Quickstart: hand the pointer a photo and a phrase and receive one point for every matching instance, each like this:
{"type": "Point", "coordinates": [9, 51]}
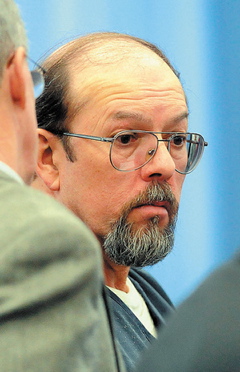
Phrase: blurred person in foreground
{"type": "Point", "coordinates": [52, 313]}
{"type": "Point", "coordinates": [114, 147]}
{"type": "Point", "coordinates": [204, 334]}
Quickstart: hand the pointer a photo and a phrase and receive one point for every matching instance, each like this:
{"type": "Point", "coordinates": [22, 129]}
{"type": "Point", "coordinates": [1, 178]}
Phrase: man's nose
{"type": "Point", "coordinates": [161, 166]}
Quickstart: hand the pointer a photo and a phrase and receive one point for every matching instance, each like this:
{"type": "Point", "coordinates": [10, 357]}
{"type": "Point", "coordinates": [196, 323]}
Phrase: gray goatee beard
{"type": "Point", "coordinates": [148, 245]}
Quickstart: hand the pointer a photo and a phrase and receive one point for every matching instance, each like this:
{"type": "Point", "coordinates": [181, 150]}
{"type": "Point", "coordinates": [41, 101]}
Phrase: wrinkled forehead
{"type": "Point", "coordinates": [111, 70]}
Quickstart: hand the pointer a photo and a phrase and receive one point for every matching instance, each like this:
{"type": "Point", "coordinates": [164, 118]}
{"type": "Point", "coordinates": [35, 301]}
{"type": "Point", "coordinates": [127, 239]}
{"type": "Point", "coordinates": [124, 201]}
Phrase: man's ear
{"type": "Point", "coordinates": [48, 152]}
{"type": "Point", "coordinates": [19, 77]}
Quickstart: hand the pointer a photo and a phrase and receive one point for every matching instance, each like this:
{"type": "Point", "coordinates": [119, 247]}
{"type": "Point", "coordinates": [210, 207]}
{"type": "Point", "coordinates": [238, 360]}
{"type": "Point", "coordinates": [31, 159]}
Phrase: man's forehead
{"type": "Point", "coordinates": [133, 71]}
{"type": "Point", "coordinates": [114, 53]}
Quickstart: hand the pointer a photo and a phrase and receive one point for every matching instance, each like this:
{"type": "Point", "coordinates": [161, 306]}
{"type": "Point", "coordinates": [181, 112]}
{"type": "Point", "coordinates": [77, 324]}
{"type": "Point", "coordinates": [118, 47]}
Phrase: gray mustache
{"type": "Point", "coordinates": [154, 193]}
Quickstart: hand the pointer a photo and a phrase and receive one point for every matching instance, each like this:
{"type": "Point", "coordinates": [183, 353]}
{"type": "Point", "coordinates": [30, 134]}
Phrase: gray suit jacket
{"type": "Point", "coordinates": [205, 334]}
{"type": "Point", "coordinates": [52, 313]}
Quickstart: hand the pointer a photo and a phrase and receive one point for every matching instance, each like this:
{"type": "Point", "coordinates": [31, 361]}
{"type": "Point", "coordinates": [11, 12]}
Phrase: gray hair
{"type": "Point", "coordinates": [12, 31]}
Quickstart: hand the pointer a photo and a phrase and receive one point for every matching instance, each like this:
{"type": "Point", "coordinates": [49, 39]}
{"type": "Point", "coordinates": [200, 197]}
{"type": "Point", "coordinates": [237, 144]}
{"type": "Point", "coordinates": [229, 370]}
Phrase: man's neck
{"type": "Point", "coordinates": [10, 172]}
{"type": "Point", "coordinates": [115, 275]}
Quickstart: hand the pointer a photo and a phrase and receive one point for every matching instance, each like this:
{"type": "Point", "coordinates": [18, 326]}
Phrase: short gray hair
{"type": "Point", "coordinates": [12, 31]}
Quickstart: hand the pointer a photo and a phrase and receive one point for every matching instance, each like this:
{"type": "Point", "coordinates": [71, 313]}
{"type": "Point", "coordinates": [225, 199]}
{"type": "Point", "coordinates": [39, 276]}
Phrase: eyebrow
{"type": "Point", "coordinates": [139, 117]}
{"type": "Point", "coordinates": [130, 115]}
{"type": "Point", "coordinates": [181, 117]}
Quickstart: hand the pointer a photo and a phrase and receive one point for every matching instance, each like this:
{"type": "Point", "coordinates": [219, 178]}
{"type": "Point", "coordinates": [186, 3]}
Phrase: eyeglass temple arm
{"type": "Point", "coordinates": [37, 65]}
{"type": "Point", "coordinates": [195, 143]}
{"type": "Point", "coordinates": [95, 138]}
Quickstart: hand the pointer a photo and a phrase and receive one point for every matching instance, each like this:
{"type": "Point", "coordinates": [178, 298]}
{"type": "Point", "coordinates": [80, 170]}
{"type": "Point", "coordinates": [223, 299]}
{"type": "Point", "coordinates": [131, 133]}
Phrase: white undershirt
{"type": "Point", "coordinates": [137, 305]}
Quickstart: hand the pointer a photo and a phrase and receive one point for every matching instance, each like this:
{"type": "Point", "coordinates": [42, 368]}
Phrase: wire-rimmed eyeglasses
{"type": "Point", "coordinates": [132, 149]}
{"type": "Point", "coordinates": [37, 78]}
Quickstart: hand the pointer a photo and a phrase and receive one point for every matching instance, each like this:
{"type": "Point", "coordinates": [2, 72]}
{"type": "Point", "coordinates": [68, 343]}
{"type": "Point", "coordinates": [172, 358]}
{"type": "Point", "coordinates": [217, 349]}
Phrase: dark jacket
{"type": "Point", "coordinates": [131, 334]}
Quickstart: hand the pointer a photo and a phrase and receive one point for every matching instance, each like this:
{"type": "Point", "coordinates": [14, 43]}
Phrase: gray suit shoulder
{"type": "Point", "coordinates": [53, 316]}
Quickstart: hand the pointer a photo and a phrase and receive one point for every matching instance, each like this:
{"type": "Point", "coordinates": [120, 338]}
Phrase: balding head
{"type": "Point", "coordinates": [85, 56]}
{"type": "Point", "coordinates": [100, 88]}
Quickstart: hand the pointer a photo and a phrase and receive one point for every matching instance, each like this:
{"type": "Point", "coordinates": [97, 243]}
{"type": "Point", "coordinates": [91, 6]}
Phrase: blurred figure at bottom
{"type": "Point", "coordinates": [205, 333]}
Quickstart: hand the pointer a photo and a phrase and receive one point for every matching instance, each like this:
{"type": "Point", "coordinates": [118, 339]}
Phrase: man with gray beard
{"type": "Point", "coordinates": [114, 147]}
{"type": "Point", "coordinates": [148, 245]}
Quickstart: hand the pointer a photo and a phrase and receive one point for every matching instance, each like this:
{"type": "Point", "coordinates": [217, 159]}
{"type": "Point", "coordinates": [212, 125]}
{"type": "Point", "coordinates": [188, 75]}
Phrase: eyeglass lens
{"type": "Point", "coordinates": [132, 150]}
{"type": "Point", "coordinates": [38, 82]}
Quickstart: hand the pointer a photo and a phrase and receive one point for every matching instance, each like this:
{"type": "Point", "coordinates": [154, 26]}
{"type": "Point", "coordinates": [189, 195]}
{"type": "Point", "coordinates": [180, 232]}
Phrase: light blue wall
{"type": "Point", "coordinates": [202, 40]}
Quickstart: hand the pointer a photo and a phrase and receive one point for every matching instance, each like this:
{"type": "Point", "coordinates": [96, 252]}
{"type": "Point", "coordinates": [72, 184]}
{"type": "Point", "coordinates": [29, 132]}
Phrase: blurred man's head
{"type": "Point", "coordinates": [12, 31]}
{"type": "Point", "coordinates": [18, 140]}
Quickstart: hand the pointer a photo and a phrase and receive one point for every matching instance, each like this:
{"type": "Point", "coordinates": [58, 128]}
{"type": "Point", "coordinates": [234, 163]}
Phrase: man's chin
{"type": "Point", "coordinates": [139, 244]}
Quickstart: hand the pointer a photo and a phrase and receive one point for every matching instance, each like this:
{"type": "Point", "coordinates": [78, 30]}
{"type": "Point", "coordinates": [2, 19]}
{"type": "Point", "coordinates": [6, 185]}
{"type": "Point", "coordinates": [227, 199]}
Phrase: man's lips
{"type": "Point", "coordinates": [161, 204]}
{"type": "Point", "coordinates": [146, 211]}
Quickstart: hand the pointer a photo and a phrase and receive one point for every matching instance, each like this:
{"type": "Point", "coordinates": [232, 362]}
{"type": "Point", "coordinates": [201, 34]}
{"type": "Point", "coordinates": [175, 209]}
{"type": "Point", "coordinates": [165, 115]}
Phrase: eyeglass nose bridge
{"type": "Point", "coordinates": [168, 140]}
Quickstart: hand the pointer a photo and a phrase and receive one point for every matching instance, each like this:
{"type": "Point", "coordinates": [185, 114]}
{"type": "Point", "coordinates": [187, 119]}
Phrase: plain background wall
{"type": "Point", "coordinates": [201, 39]}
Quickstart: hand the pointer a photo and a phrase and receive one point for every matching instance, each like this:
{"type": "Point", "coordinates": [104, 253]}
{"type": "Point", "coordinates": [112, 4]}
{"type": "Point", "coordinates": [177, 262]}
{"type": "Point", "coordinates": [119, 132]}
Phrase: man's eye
{"type": "Point", "coordinates": [127, 138]}
{"type": "Point", "coordinates": [179, 140]}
